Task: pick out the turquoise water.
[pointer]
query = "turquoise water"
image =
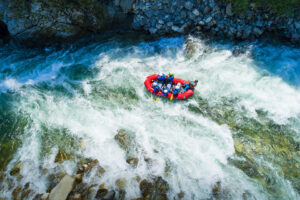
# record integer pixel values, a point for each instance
(241, 127)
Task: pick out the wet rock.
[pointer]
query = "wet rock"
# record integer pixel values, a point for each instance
(100, 171)
(45, 196)
(26, 193)
(123, 140)
(239, 147)
(87, 166)
(101, 193)
(156, 190)
(132, 161)
(62, 156)
(16, 169)
(181, 195)
(16, 193)
(146, 188)
(217, 188)
(78, 178)
(62, 190)
(190, 49)
(83, 189)
(121, 183)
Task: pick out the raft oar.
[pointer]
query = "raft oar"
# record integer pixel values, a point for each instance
(171, 97)
(157, 99)
(151, 95)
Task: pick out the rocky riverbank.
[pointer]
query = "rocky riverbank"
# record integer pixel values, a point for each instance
(66, 19)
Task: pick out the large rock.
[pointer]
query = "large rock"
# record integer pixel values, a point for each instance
(16, 169)
(124, 140)
(188, 5)
(229, 10)
(62, 190)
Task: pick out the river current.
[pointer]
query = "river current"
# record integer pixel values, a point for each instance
(241, 129)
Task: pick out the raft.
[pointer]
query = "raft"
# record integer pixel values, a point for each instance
(180, 96)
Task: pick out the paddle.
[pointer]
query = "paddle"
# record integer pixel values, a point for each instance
(157, 99)
(171, 98)
(151, 95)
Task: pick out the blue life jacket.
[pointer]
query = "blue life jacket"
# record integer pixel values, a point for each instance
(186, 87)
(170, 79)
(162, 78)
(176, 91)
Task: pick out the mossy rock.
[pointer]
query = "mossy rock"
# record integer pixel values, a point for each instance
(16, 169)
(132, 161)
(101, 193)
(62, 156)
(121, 183)
(123, 139)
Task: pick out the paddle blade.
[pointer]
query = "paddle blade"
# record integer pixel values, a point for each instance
(171, 97)
(157, 99)
(151, 95)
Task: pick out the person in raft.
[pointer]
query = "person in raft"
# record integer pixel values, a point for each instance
(161, 78)
(176, 89)
(155, 86)
(190, 85)
(170, 78)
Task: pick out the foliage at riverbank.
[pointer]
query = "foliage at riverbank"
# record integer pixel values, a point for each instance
(280, 7)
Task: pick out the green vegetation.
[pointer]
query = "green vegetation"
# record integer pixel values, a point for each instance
(280, 7)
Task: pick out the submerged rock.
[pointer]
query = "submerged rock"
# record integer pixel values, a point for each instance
(16, 193)
(123, 139)
(16, 169)
(132, 161)
(62, 156)
(121, 183)
(101, 193)
(217, 188)
(156, 190)
(62, 190)
(87, 166)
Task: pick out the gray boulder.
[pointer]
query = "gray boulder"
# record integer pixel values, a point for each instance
(196, 12)
(178, 29)
(62, 190)
(257, 31)
(188, 5)
(229, 10)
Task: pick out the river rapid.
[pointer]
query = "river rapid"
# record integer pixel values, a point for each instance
(238, 137)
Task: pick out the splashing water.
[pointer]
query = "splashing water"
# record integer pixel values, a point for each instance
(241, 127)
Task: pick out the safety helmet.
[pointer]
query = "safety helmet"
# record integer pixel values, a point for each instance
(165, 90)
(179, 84)
(177, 87)
(154, 83)
(171, 74)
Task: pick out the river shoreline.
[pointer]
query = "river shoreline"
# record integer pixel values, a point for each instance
(157, 18)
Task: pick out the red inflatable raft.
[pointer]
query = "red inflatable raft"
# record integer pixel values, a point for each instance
(184, 95)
